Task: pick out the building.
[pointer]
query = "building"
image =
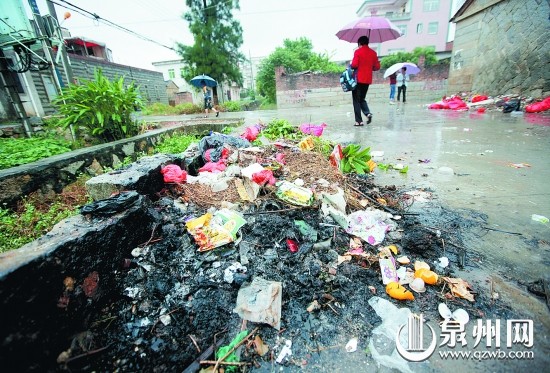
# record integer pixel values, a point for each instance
(501, 47)
(422, 23)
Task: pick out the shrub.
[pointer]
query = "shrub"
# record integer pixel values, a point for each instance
(231, 106)
(175, 144)
(102, 106)
(188, 108)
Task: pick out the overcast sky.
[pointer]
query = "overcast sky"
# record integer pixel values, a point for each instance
(265, 23)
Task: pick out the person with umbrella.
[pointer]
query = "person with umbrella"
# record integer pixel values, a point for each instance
(402, 79)
(365, 61)
(393, 83)
(207, 99)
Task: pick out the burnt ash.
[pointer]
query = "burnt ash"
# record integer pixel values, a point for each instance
(170, 277)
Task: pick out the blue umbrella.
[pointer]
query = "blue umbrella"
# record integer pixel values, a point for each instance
(199, 79)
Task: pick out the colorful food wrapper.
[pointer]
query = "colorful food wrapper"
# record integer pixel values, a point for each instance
(389, 273)
(294, 194)
(211, 231)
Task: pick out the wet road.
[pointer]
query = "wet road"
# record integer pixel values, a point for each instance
(493, 164)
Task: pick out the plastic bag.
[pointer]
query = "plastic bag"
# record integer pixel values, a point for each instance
(216, 142)
(173, 174)
(213, 167)
(264, 177)
(312, 129)
(478, 98)
(512, 105)
(111, 205)
(539, 106)
(251, 133)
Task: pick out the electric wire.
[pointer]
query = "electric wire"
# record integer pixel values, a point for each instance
(109, 23)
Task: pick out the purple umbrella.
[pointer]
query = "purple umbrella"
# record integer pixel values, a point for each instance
(378, 29)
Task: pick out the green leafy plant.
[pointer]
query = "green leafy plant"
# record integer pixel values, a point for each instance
(15, 152)
(175, 144)
(231, 106)
(323, 146)
(102, 106)
(280, 128)
(355, 159)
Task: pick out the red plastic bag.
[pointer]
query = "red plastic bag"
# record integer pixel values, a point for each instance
(213, 166)
(264, 177)
(539, 106)
(173, 174)
(251, 133)
(481, 110)
(478, 98)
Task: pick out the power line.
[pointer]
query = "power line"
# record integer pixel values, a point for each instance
(96, 17)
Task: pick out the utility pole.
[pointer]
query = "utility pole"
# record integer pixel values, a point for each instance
(46, 46)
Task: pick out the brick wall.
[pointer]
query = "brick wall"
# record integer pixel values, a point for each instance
(310, 89)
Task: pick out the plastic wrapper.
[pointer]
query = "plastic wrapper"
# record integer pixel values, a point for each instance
(173, 174)
(336, 156)
(367, 226)
(306, 143)
(478, 98)
(211, 231)
(294, 194)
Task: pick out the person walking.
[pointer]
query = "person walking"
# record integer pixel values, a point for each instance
(393, 82)
(402, 82)
(365, 61)
(208, 100)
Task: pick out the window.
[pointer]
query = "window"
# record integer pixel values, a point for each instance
(51, 89)
(171, 73)
(431, 5)
(403, 29)
(419, 28)
(182, 72)
(432, 28)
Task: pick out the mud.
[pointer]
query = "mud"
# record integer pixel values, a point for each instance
(169, 302)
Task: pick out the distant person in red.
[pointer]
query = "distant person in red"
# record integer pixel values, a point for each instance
(364, 62)
(393, 82)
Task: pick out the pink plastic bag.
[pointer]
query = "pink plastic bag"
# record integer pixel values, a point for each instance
(213, 166)
(251, 133)
(264, 177)
(173, 174)
(280, 157)
(312, 129)
(538, 106)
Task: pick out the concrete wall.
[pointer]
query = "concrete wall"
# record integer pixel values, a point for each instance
(323, 89)
(501, 47)
(52, 174)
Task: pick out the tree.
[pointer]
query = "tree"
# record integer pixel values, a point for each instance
(218, 38)
(295, 55)
(427, 52)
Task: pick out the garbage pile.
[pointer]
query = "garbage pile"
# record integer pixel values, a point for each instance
(270, 256)
(481, 103)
